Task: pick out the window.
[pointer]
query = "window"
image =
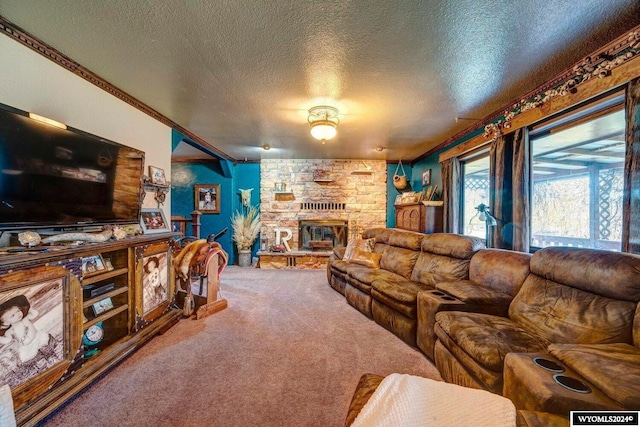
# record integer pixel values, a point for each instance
(577, 179)
(475, 190)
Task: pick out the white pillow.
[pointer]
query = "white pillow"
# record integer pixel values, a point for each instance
(7, 417)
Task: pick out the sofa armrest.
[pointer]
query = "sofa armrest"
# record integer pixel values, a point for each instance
(612, 368)
(366, 387)
(429, 304)
(477, 297)
(339, 252)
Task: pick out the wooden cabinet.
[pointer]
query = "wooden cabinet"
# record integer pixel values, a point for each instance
(420, 218)
(88, 307)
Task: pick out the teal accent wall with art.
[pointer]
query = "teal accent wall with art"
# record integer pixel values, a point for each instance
(230, 177)
(392, 192)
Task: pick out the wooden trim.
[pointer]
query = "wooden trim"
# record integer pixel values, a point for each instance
(594, 87)
(26, 39)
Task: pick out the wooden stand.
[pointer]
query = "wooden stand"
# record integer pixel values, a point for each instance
(206, 272)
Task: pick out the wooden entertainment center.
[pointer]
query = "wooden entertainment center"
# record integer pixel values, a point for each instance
(88, 307)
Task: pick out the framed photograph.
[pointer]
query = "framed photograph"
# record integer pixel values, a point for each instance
(398, 199)
(93, 264)
(426, 178)
(107, 264)
(102, 306)
(207, 198)
(156, 175)
(155, 281)
(153, 221)
(32, 304)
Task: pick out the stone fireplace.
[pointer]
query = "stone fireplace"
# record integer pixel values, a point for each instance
(322, 234)
(321, 200)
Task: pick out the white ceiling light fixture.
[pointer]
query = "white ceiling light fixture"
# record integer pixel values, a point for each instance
(324, 121)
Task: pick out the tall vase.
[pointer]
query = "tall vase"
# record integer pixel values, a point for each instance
(244, 258)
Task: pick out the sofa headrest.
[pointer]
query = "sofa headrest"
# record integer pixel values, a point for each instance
(452, 245)
(500, 269)
(380, 234)
(611, 274)
(406, 239)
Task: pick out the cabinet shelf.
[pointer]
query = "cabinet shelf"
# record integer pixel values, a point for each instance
(113, 293)
(109, 314)
(103, 276)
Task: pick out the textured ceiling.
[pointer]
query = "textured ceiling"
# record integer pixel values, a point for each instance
(240, 74)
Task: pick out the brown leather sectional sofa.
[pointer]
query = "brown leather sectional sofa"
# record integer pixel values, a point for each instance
(484, 315)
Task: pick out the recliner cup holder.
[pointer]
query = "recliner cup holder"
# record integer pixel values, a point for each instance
(548, 364)
(571, 383)
(438, 293)
(448, 298)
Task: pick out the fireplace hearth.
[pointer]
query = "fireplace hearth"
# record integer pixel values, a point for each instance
(322, 234)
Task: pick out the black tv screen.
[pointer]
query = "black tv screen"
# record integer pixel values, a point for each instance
(64, 177)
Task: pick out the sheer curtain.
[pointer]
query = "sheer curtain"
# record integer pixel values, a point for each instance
(451, 195)
(631, 198)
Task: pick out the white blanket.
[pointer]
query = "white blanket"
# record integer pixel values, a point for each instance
(409, 401)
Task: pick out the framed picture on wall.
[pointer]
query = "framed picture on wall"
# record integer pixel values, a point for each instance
(207, 198)
(426, 178)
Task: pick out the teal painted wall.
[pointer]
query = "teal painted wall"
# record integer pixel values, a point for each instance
(231, 179)
(185, 175)
(432, 162)
(392, 192)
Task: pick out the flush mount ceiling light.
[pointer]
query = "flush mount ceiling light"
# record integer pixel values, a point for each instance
(324, 121)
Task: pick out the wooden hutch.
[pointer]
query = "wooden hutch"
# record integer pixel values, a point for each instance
(420, 218)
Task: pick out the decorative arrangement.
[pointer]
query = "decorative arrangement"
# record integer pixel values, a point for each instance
(207, 198)
(599, 66)
(429, 194)
(246, 226)
(103, 236)
(153, 221)
(157, 176)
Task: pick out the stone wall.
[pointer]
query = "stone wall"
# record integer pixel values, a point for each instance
(315, 189)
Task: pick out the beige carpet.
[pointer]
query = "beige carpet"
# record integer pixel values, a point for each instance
(288, 351)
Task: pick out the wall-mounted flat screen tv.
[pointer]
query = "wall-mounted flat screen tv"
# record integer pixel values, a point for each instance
(56, 177)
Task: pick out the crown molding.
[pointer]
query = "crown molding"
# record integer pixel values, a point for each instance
(18, 34)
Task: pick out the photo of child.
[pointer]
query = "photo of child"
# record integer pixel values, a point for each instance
(31, 339)
(155, 283)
